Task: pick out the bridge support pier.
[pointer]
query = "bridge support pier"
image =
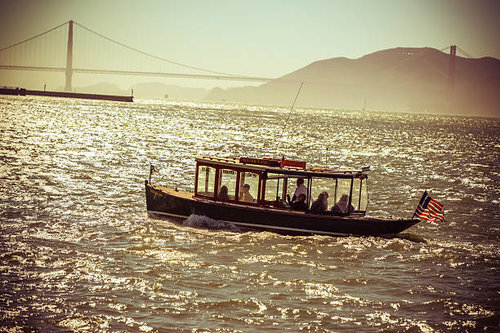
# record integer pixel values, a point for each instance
(69, 58)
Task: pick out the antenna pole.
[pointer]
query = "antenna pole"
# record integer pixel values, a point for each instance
(295, 100)
(291, 109)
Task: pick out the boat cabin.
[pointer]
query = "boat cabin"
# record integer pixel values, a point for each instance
(272, 183)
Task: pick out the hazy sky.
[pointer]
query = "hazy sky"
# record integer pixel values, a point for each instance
(265, 38)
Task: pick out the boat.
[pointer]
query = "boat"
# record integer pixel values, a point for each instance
(256, 193)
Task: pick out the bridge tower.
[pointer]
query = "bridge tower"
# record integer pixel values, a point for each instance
(69, 58)
(451, 72)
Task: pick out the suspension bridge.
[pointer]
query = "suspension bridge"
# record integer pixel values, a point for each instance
(87, 51)
(72, 48)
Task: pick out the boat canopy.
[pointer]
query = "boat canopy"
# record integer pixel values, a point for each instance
(272, 182)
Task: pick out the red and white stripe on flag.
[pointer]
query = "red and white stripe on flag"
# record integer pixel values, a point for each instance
(429, 209)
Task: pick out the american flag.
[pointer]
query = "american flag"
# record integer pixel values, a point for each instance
(429, 209)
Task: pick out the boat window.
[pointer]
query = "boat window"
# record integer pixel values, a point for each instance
(274, 188)
(249, 187)
(319, 185)
(341, 193)
(343, 186)
(292, 185)
(227, 184)
(206, 181)
(360, 195)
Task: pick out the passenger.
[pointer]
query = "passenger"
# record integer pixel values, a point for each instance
(301, 189)
(320, 205)
(245, 194)
(223, 193)
(300, 204)
(340, 208)
(325, 200)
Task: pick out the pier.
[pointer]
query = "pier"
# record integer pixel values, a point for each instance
(24, 92)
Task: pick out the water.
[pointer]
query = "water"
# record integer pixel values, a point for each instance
(78, 252)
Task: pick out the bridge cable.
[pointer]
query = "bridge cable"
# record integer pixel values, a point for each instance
(464, 52)
(156, 57)
(39, 35)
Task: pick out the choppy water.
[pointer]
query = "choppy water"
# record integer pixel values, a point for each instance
(78, 253)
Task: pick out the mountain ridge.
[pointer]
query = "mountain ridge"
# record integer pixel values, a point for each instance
(397, 79)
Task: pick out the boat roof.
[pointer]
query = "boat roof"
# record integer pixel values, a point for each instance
(279, 166)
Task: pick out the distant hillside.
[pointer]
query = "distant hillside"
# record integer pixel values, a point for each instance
(160, 90)
(400, 79)
(101, 88)
(146, 90)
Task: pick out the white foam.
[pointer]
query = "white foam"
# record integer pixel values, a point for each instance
(200, 221)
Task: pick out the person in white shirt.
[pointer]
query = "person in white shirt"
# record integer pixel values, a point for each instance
(301, 189)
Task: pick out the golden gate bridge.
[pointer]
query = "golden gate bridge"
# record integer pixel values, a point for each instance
(72, 48)
(44, 52)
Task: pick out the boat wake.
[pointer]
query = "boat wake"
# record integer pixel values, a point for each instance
(204, 222)
(405, 236)
(412, 238)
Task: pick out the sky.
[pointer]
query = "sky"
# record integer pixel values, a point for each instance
(265, 38)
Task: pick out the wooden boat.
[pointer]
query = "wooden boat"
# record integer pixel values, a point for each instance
(251, 192)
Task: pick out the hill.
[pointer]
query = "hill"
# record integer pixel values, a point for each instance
(400, 79)
(161, 90)
(155, 90)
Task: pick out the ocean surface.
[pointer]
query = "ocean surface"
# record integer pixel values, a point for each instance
(79, 253)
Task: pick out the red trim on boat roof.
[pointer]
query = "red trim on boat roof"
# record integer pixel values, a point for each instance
(290, 167)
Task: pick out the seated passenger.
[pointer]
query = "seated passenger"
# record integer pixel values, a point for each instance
(223, 193)
(340, 208)
(300, 204)
(320, 205)
(245, 194)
